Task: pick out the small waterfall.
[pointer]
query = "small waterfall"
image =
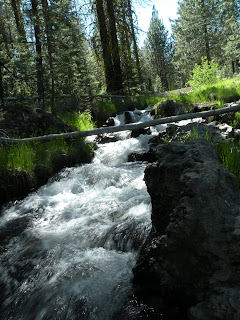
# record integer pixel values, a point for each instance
(67, 250)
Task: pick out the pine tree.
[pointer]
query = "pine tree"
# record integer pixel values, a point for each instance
(38, 45)
(230, 22)
(157, 49)
(205, 28)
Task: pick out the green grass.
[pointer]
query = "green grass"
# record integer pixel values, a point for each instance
(29, 157)
(34, 156)
(16, 157)
(221, 92)
(80, 121)
(236, 122)
(229, 155)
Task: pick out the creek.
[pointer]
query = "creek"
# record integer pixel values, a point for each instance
(68, 249)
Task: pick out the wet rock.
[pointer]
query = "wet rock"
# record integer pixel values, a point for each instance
(137, 132)
(110, 122)
(168, 108)
(191, 259)
(145, 156)
(212, 131)
(204, 106)
(129, 117)
(105, 138)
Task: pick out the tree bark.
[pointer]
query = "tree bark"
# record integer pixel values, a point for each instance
(1, 87)
(118, 85)
(135, 47)
(4, 35)
(132, 126)
(19, 19)
(39, 65)
(50, 50)
(126, 48)
(107, 58)
(205, 31)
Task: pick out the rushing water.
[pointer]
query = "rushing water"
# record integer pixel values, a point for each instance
(67, 250)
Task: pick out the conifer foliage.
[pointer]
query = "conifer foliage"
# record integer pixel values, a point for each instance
(157, 52)
(206, 28)
(51, 49)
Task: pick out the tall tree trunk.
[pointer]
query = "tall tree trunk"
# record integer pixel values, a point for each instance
(205, 31)
(39, 65)
(118, 85)
(1, 87)
(135, 47)
(50, 50)
(126, 54)
(163, 74)
(233, 66)
(107, 58)
(19, 19)
(8, 25)
(4, 36)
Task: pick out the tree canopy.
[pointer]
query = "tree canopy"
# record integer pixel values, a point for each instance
(55, 48)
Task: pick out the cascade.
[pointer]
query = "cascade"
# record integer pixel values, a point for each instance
(68, 249)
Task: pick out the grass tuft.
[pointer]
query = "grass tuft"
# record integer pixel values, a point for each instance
(79, 121)
(229, 155)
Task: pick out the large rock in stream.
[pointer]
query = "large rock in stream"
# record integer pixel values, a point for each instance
(189, 267)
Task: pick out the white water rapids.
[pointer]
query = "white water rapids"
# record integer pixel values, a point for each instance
(67, 250)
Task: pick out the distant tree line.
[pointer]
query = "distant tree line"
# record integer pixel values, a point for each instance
(56, 47)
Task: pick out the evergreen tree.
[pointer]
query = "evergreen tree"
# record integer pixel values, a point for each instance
(205, 28)
(157, 50)
(230, 22)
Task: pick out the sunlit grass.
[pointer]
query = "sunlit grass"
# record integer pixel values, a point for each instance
(17, 157)
(229, 155)
(80, 121)
(223, 91)
(32, 156)
(236, 122)
(29, 157)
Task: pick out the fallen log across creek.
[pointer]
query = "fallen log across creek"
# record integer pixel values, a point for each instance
(131, 126)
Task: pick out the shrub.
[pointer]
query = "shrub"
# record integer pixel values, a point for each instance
(204, 74)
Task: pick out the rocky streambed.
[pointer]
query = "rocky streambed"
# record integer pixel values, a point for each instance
(188, 267)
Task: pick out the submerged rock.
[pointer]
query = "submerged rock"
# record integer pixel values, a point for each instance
(191, 259)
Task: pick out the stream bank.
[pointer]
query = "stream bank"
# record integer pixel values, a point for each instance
(16, 184)
(83, 230)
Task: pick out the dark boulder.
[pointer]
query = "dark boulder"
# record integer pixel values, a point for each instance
(137, 132)
(106, 138)
(129, 117)
(110, 122)
(191, 259)
(168, 108)
(144, 156)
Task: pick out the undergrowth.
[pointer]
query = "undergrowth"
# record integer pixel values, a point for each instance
(80, 121)
(229, 155)
(32, 156)
(220, 92)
